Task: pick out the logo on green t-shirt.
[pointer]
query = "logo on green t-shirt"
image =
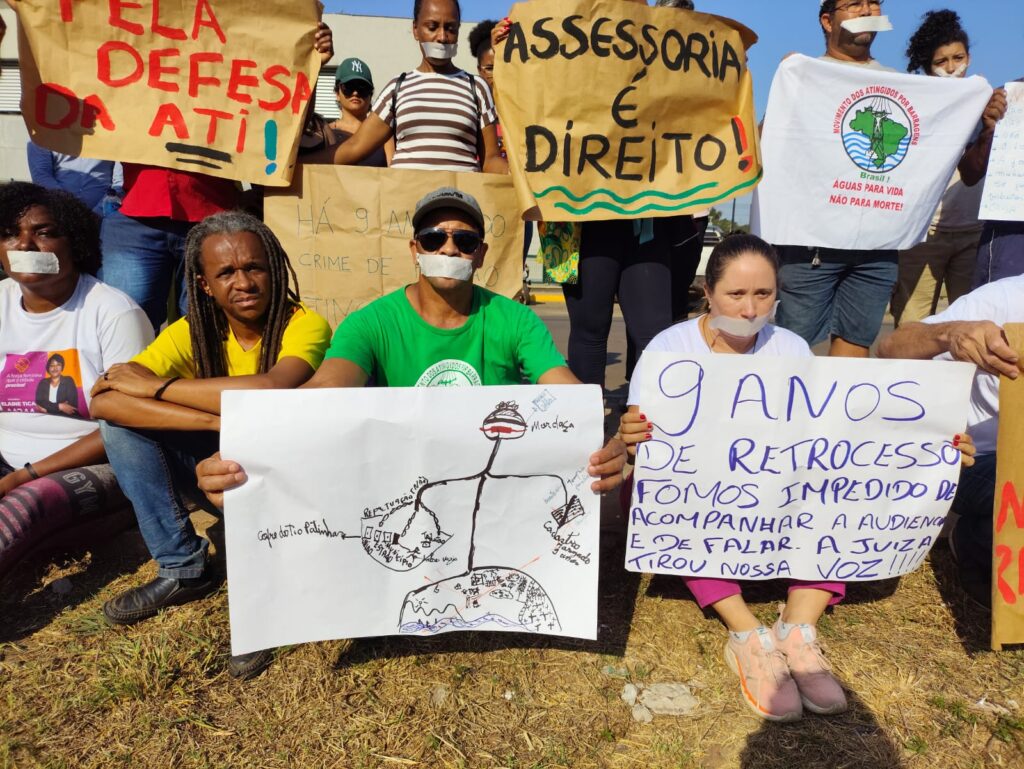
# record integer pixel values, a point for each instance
(450, 373)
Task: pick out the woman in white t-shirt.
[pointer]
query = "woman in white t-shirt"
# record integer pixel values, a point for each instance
(441, 118)
(781, 669)
(57, 324)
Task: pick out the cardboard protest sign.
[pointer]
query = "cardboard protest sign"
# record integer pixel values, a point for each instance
(347, 230)
(1003, 198)
(811, 468)
(859, 158)
(614, 110)
(1008, 513)
(216, 86)
(411, 511)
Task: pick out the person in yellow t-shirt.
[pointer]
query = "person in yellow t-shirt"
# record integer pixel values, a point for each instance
(245, 329)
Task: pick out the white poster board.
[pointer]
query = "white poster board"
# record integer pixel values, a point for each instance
(820, 469)
(390, 511)
(859, 158)
(1003, 198)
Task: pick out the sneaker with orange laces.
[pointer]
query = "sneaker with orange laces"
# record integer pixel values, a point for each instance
(819, 689)
(765, 681)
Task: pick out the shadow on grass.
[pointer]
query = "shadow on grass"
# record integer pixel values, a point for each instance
(852, 740)
(767, 591)
(617, 594)
(971, 622)
(101, 553)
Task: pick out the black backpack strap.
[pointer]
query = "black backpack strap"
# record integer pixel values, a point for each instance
(479, 115)
(394, 102)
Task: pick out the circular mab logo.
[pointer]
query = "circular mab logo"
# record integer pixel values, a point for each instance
(877, 134)
(450, 373)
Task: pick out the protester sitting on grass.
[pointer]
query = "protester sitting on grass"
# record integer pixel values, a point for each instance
(441, 331)
(970, 330)
(245, 329)
(781, 669)
(59, 329)
(440, 117)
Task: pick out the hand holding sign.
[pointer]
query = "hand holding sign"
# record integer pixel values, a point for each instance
(204, 85)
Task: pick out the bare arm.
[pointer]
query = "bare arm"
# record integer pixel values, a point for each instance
(82, 453)
(337, 372)
(149, 414)
(389, 150)
(979, 342)
(974, 164)
(493, 162)
(200, 394)
(373, 134)
(560, 375)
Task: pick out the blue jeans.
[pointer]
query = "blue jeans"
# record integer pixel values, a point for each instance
(142, 257)
(157, 472)
(846, 295)
(974, 501)
(1000, 252)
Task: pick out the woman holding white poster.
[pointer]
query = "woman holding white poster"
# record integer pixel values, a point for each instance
(782, 670)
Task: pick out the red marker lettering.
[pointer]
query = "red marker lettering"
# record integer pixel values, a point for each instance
(276, 71)
(239, 80)
(115, 19)
(169, 115)
(104, 68)
(194, 78)
(210, 21)
(214, 115)
(156, 69)
(171, 33)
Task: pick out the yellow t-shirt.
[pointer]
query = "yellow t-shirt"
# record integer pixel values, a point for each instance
(307, 337)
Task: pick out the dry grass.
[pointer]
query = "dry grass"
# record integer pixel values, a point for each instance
(75, 693)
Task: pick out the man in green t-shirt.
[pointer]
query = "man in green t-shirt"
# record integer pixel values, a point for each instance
(441, 331)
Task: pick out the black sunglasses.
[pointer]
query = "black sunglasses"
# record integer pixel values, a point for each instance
(433, 238)
(363, 89)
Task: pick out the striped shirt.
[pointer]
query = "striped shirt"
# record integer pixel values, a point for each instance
(438, 120)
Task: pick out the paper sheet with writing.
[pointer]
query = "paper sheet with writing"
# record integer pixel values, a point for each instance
(1003, 198)
(214, 86)
(812, 468)
(347, 230)
(859, 158)
(411, 511)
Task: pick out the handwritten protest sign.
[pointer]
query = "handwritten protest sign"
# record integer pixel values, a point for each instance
(615, 110)
(347, 230)
(1003, 198)
(217, 86)
(858, 158)
(411, 511)
(1008, 515)
(812, 469)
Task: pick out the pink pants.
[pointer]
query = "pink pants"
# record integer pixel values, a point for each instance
(709, 591)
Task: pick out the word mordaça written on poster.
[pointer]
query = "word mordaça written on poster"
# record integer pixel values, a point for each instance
(347, 230)
(411, 511)
(859, 158)
(799, 468)
(202, 85)
(615, 110)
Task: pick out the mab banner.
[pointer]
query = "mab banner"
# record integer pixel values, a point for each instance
(858, 158)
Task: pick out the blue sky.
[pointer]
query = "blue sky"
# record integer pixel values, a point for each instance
(996, 28)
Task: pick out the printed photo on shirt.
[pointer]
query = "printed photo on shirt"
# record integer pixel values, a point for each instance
(43, 383)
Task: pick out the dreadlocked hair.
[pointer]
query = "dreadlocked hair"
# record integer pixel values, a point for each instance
(207, 323)
(73, 218)
(938, 28)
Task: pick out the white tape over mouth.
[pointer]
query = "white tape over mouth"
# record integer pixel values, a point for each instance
(33, 262)
(441, 266)
(440, 51)
(958, 72)
(867, 24)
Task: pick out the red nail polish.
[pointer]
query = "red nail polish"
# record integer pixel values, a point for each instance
(643, 417)
(649, 436)
(956, 441)
(650, 426)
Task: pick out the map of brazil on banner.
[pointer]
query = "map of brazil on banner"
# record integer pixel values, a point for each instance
(858, 158)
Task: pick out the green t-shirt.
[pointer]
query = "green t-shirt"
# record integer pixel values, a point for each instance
(502, 339)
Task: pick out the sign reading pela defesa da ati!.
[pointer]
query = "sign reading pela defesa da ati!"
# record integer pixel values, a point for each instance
(616, 110)
(198, 85)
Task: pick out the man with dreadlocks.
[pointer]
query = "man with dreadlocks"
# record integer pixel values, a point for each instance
(245, 329)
